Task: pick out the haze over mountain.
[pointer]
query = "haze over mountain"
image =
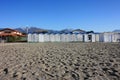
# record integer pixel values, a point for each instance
(39, 30)
(117, 30)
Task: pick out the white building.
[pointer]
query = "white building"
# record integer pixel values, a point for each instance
(62, 37)
(97, 37)
(41, 38)
(46, 37)
(36, 37)
(74, 37)
(116, 37)
(29, 38)
(79, 37)
(111, 37)
(108, 37)
(52, 37)
(68, 39)
(57, 37)
(91, 37)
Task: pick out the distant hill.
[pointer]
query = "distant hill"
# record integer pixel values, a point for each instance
(21, 30)
(39, 30)
(78, 31)
(66, 31)
(30, 30)
(1, 28)
(117, 30)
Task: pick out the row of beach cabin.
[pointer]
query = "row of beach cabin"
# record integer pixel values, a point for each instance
(91, 37)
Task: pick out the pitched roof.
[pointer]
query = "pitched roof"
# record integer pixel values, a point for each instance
(9, 29)
(8, 33)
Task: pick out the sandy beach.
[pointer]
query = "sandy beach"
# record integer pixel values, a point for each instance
(59, 61)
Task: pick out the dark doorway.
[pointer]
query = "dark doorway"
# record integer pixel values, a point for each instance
(90, 38)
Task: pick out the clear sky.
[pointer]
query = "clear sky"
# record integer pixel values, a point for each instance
(97, 15)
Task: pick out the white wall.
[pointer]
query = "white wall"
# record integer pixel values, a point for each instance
(118, 37)
(115, 37)
(79, 37)
(107, 37)
(62, 37)
(57, 37)
(85, 38)
(68, 37)
(29, 38)
(41, 37)
(74, 36)
(93, 38)
(52, 37)
(46, 37)
(102, 37)
(35, 38)
(97, 38)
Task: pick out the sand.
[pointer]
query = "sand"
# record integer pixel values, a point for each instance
(60, 61)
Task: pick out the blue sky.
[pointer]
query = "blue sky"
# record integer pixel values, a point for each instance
(97, 15)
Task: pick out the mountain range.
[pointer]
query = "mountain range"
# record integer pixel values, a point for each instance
(117, 30)
(39, 30)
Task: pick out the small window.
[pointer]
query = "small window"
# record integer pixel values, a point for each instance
(7, 31)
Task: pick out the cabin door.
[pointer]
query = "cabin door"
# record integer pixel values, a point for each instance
(90, 38)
